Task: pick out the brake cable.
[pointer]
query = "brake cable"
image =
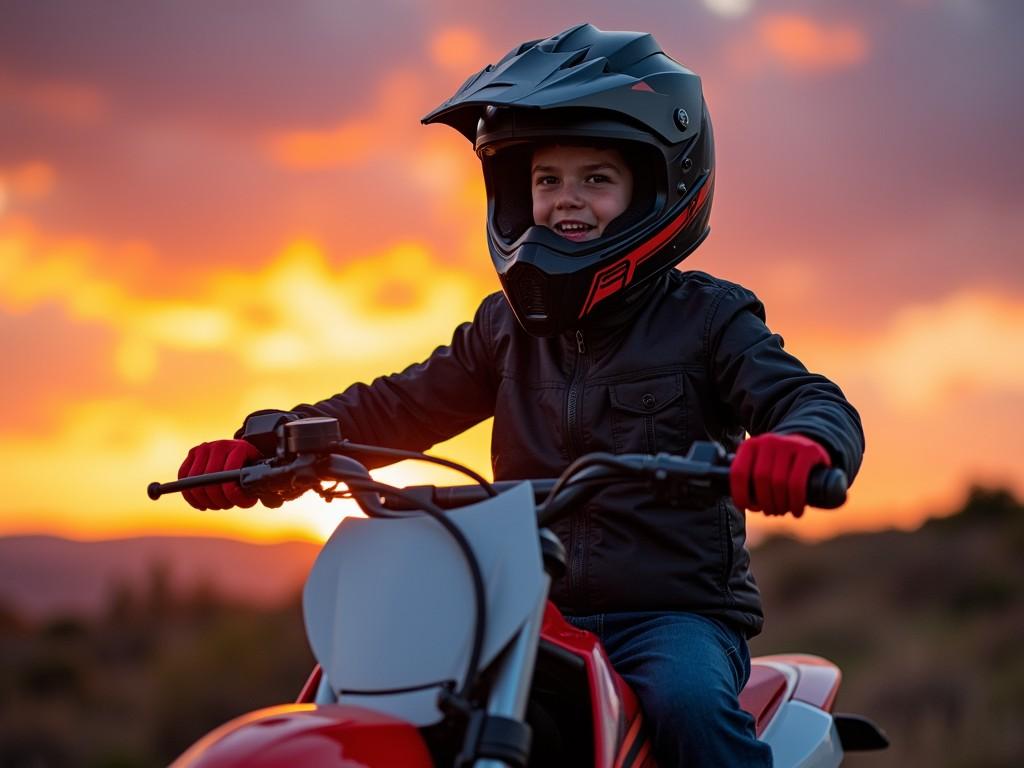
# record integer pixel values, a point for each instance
(374, 450)
(585, 462)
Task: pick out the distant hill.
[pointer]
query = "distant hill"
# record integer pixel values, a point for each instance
(43, 576)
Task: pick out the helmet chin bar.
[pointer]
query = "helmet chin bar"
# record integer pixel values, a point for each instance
(554, 284)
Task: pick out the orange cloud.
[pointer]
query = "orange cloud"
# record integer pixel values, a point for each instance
(34, 269)
(800, 43)
(339, 146)
(287, 316)
(72, 102)
(930, 355)
(297, 331)
(438, 163)
(386, 129)
(427, 167)
(968, 342)
(27, 182)
(33, 180)
(457, 49)
(804, 45)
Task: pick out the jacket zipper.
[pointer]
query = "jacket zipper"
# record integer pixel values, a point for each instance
(578, 523)
(723, 507)
(572, 416)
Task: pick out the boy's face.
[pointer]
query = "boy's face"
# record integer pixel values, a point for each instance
(578, 191)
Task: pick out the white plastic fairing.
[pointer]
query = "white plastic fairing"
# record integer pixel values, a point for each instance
(389, 602)
(802, 736)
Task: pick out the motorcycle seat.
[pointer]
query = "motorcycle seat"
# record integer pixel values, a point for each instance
(763, 694)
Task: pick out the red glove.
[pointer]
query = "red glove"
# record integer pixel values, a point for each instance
(218, 456)
(770, 472)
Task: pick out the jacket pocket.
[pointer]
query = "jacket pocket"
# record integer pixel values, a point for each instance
(649, 415)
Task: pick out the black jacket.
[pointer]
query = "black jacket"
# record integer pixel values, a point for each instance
(694, 361)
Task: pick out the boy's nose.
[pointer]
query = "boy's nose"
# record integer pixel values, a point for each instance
(569, 197)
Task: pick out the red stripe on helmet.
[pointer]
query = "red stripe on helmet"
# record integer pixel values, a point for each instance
(617, 276)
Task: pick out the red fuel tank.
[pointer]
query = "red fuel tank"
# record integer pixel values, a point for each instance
(306, 734)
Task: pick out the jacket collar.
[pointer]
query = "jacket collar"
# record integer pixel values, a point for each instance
(605, 326)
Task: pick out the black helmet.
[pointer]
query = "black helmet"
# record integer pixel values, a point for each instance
(586, 86)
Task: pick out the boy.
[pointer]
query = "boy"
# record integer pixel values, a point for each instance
(598, 160)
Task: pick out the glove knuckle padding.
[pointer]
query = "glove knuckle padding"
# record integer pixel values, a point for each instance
(739, 477)
(763, 481)
(779, 481)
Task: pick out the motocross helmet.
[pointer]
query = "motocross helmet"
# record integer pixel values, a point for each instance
(605, 89)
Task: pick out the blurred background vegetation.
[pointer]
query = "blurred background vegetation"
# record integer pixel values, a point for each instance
(137, 686)
(927, 626)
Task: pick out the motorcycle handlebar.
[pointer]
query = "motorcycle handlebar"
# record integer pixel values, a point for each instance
(826, 487)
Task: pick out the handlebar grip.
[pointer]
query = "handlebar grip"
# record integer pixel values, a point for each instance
(156, 490)
(826, 488)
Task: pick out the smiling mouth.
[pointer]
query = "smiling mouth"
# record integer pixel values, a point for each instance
(573, 228)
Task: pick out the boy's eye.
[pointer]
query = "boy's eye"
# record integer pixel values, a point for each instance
(543, 180)
(597, 178)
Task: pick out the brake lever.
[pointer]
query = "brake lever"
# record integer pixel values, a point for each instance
(274, 483)
(699, 478)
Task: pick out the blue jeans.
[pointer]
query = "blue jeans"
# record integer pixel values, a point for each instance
(687, 671)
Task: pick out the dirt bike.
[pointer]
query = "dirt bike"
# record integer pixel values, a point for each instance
(435, 639)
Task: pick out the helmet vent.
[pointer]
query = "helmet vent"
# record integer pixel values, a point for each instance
(529, 290)
(575, 59)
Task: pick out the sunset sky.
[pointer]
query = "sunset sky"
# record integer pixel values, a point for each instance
(210, 208)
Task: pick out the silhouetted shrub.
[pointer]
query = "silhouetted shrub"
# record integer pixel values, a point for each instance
(67, 629)
(984, 593)
(51, 675)
(35, 749)
(983, 505)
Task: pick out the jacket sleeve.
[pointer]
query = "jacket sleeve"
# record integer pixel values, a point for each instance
(769, 390)
(427, 403)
